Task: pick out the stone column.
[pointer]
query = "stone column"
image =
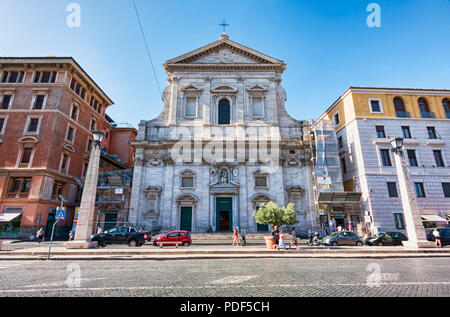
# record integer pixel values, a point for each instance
(212, 209)
(136, 190)
(174, 101)
(414, 226)
(87, 210)
(207, 102)
(235, 211)
(240, 101)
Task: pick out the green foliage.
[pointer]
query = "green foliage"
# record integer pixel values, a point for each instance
(272, 214)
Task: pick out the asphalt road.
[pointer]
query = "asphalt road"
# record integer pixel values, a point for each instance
(229, 278)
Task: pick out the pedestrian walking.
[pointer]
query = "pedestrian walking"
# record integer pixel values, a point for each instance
(437, 237)
(71, 235)
(235, 237)
(40, 236)
(294, 239)
(99, 230)
(276, 236)
(282, 243)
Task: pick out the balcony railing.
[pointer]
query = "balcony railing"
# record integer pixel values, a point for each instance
(403, 114)
(428, 115)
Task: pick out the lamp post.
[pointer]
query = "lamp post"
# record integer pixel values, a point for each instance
(87, 209)
(414, 226)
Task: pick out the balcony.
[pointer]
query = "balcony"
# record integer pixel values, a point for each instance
(428, 115)
(403, 114)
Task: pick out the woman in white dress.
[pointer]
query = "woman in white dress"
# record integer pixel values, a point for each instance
(282, 243)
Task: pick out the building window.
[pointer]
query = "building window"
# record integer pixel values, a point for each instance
(432, 134)
(381, 134)
(77, 88)
(20, 187)
(438, 158)
(70, 136)
(33, 125)
(187, 182)
(344, 165)
(446, 104)
(446, 189)
(45, 77)
(392, 188)
(341, 142)
(93, 125)
(385, 158)
(420, 190)
(406, 133)
(89, 145)
(399, 221)
(13, 77)
(258, 106)
(190, 110)
(425, 109)
(3, 124)
(412, 158)
(376, 106)
(337, 119)
(64, 162)
(74, 113)
(57, 190)
(6, 102)
(38, 102)
(261, 181)
(224, 111)
(26, 156)
(400, 108)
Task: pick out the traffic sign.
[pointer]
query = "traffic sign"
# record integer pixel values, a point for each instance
(60, 213)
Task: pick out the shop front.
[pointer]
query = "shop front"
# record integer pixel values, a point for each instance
(10, 221)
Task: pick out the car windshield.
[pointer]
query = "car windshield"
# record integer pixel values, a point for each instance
(381, 234)
(334, 234)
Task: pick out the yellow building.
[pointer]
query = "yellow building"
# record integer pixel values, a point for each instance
(366, 119)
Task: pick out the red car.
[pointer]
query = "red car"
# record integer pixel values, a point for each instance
(180, 237)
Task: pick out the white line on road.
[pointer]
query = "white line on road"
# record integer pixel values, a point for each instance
(143, 288)
(234, 279)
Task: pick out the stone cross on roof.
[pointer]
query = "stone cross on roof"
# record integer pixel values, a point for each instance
(224, 25)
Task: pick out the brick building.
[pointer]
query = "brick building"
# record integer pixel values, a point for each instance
(48, 110)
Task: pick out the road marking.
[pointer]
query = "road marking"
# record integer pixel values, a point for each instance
(143, 288)
(56, 284)
(234, 279)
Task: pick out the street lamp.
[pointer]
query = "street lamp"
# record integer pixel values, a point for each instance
(85, 222)
(414, 226)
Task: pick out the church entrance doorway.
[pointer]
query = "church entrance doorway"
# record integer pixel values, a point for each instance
(186, 218)
(224, 214)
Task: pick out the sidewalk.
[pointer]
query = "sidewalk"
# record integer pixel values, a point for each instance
(148, 252)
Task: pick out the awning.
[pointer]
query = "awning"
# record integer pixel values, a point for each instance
(340, 198)
(433, 218)
(7, 217)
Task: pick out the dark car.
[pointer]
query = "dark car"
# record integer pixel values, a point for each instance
(174, 238)
(387, 238)
(122, 235)
(445, 235)
(343, 238)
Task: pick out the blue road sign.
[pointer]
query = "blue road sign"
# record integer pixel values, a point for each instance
(60, 214)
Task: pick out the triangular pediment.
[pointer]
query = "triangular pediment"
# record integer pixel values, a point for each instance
(225, 51)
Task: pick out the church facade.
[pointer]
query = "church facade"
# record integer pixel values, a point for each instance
(223, 145)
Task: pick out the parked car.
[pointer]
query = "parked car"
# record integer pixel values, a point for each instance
(173, 238)
(122, 235)
(445, 235)
(343, 238)
(387, 238)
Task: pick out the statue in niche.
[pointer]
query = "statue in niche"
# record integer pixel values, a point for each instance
(224, 177)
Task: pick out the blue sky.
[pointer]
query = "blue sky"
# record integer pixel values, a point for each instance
(326, 45)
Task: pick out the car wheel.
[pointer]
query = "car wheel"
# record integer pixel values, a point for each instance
(334, 244)
(186, 244)
(132, 243)
(359, 244)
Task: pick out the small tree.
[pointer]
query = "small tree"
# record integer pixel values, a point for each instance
(272, 214)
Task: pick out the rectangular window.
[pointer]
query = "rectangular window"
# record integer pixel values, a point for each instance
(412, 158)
(343, 165)
(257, 106)
(33, 125)
(89, 146)
(337, 119)
(399, 221)
(26, 185)
(74, 114)
(65, 159)
(6, 100)
(438, 158)
(385, 158)
(39, 102)
(93, 125)
(187, 182)
(341, 142)
(375, 106)
(57, 189)
(392, 188)
(191, 107)
(446, 189)
(406, 133)
(260, 181)
(420, 190)
(5, 77)
(13, 77)
(15, 185)
(2, 124)
(45, 77)
(26, 156)
(432, 134)
(69, 136)
(381, 134)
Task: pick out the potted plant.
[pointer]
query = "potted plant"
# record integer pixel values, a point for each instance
(272, 214)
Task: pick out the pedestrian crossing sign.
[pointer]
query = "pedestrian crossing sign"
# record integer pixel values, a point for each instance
(60, 214)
